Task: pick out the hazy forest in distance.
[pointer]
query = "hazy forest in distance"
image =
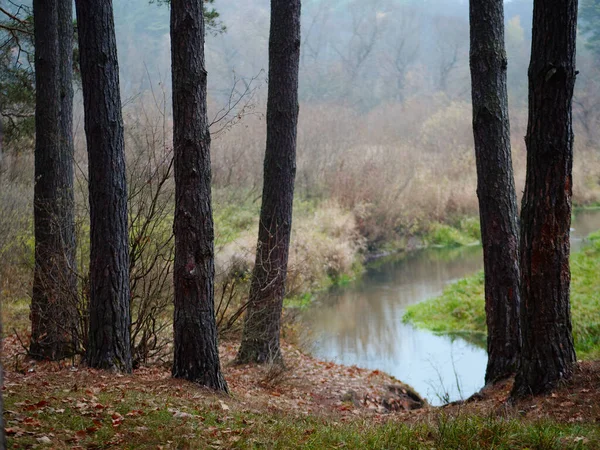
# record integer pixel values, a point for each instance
(384, 88)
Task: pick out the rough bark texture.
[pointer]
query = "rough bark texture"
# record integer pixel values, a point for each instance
(548, 352)
(495, 187)
(53, 307)
(109, 334)
(260, 340)
(195, 331)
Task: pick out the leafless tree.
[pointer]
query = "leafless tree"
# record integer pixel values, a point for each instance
(451, 48)
(403, 45)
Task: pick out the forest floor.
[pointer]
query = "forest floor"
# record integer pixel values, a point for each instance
(310, 404)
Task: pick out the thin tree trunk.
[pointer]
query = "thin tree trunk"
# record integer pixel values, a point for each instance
(548, 351)
(260, 340)
(195, 331)
(109, 334)
(53, 308)
(495, 187)
(66, 35)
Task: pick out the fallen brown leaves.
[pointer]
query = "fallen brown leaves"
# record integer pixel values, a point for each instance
(577, 401)
(306, 386)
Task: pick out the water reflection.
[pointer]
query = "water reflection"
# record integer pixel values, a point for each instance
(362, 324)
(584, 223)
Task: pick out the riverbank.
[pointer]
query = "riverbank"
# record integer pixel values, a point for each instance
(460, 310)
(329, 246)
(310, 405)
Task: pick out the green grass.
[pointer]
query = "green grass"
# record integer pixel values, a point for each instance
(150, 419)
(585, 301)
(464, 232)
(460, 310)
(231, 219)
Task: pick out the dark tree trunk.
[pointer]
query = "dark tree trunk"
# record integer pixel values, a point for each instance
(548, 354)
(260, 340)
(195, 330)
(109, 334)
(53, 308)
(495, 187)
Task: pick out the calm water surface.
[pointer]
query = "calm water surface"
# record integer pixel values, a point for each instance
(361, 324)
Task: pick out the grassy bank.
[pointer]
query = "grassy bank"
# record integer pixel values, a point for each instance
(457, 233)
(205, 428)
(150, 411)
(460, 310)
(328, 246)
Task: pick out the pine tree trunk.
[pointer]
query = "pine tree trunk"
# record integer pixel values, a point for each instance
(195, 331)
(109, 334)
(65, 48)
(260, 340)
(548, 351)
(53, 308)
(495, 187)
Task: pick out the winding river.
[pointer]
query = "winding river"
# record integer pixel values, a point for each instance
(361, 324)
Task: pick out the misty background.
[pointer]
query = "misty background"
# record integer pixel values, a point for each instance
(375, 73)
(385, 141)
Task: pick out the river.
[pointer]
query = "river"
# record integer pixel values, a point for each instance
(361, 324)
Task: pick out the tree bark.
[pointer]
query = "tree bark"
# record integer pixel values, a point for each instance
(53, 307)
(548, 352)
(195, 331)
(260, 340)
(109, 334)
(495, 187)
